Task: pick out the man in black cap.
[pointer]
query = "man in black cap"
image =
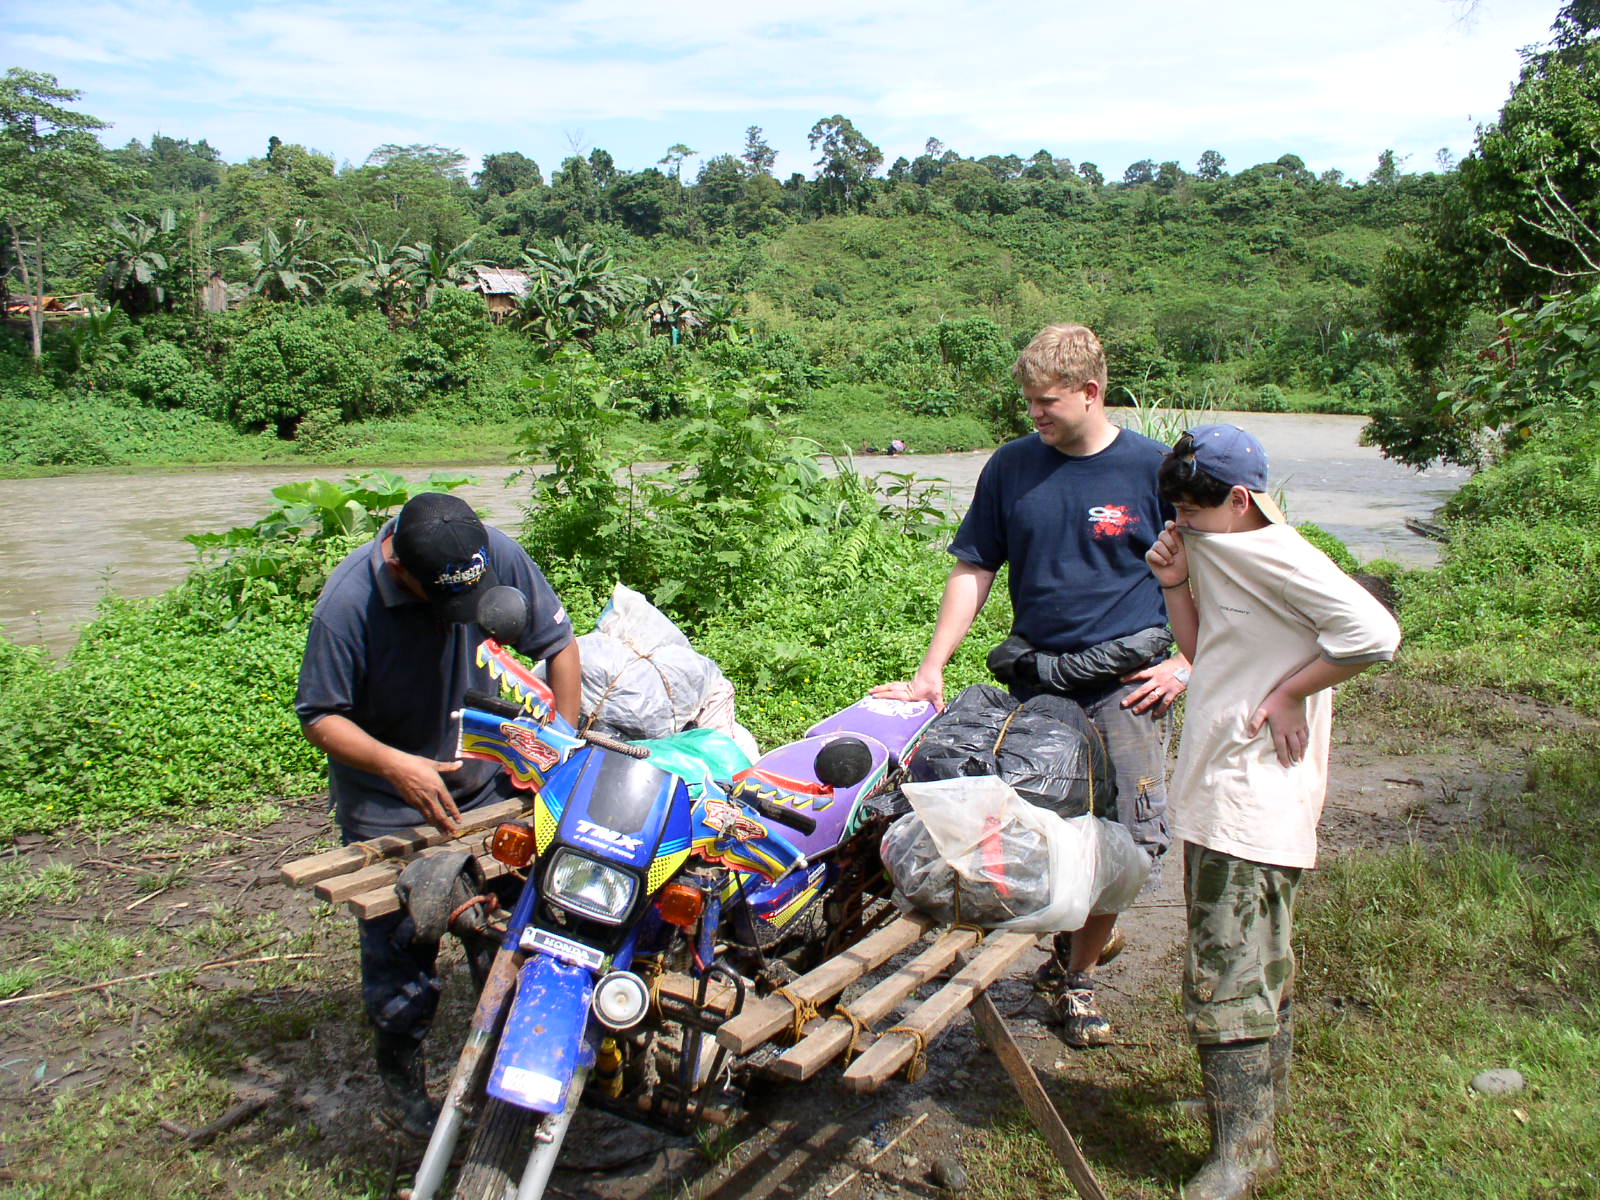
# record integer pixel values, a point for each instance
(390, 655)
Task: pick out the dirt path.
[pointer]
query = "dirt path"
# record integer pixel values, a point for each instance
(268, 1011)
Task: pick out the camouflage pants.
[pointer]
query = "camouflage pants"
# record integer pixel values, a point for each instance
(1238, 964)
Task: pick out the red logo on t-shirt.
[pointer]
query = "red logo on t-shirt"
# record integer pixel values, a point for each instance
(1111, 520)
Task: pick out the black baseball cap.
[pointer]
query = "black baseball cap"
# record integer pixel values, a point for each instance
(443, 545)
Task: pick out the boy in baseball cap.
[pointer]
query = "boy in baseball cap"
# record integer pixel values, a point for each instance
(1271, 625)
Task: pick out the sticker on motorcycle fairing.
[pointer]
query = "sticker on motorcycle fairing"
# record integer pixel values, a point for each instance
(527, 743)
(603, 838)
(565, 949)
(741, 842)
(732, 821)
(532, 1086)
(528, 753)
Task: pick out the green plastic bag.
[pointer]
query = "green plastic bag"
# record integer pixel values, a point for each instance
(697, 756)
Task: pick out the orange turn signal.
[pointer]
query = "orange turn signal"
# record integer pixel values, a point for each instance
(513, 844)
(681, 904)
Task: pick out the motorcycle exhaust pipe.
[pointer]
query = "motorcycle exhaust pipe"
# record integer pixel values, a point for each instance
(465, 1079)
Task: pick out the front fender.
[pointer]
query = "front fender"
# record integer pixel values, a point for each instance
(544, 1044)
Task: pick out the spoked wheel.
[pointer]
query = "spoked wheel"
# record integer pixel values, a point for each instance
(496, 1153)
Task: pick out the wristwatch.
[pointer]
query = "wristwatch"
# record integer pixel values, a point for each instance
(1182, 675)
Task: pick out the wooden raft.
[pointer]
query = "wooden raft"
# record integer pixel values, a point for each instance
(362, 877)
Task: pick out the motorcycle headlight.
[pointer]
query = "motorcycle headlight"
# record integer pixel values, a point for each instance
(589, 888)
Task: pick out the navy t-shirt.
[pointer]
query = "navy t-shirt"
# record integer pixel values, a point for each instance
(377, 655)
(1074, 530)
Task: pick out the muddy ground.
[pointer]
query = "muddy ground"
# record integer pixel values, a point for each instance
(277, 1025)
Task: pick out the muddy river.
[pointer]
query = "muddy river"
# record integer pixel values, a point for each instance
(69, 540)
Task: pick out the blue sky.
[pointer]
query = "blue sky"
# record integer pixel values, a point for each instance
(1109, 83)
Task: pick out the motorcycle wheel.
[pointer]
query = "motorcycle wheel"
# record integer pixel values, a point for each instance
(496, 1153)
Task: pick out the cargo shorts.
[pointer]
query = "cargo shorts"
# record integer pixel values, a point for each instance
(1238, 965)
(1137, 744)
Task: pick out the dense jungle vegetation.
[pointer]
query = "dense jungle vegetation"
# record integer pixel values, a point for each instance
(1459, 308)
(895, 295)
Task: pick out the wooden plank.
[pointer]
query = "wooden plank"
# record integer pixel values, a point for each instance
(340, 888)
(383, 900)
(763, 1018)
(304, 872)
(894, 1049)
(828, 1039)
(719, 996)
(992, 1028)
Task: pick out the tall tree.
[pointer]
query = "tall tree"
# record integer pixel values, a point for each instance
(673, 158)
(47, 154)
(1211, 166)
(507, 172)
(1143, 171)
(757, 155)
(847, 164)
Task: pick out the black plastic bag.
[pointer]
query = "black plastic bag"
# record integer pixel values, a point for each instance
(1047, 749)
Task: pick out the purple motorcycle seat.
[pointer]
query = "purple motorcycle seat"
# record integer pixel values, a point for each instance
(788, 775)
(894, 724)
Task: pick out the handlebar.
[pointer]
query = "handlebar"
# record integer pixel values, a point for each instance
(493, 704)
(502, 708)
(781, 813)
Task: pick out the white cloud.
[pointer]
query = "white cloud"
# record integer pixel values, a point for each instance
(1147, 78)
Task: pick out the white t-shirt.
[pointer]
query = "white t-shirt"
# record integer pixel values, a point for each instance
(1269, 603)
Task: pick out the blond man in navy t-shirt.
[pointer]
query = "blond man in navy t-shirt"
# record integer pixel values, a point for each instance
(1072, 508)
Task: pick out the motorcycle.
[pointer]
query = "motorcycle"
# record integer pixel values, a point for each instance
(633, 874)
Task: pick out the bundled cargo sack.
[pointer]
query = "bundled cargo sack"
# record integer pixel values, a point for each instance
(972, 850)
(1046, 748)
(642, 679)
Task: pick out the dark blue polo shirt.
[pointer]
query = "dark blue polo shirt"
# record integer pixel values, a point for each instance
(1074, 530)
(377, 655)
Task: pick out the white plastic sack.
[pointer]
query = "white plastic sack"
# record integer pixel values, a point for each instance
(1000, 849)
(642, 679)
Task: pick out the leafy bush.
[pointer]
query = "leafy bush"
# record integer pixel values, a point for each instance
(1269, 398)
(159, 708)
(1516, 602)
(1329, 545)
(298, 360)
(161, 375)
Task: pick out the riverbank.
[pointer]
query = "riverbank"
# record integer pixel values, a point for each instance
(74, 538)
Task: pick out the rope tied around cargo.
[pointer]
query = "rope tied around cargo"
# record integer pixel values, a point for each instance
(917, 1067)
(638, 656)
(857, 1026)
(1005, 727)
(804, 1012)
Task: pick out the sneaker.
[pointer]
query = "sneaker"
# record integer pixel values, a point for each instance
(1082, 1023)
(1050, 977)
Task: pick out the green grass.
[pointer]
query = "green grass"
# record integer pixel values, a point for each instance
(22, 887)
(1419, 969)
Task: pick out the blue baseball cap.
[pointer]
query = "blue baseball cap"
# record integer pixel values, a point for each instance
(1238, 459)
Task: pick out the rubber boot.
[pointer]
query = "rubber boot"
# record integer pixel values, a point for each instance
(406, 1106)
(1282, 1050)
(1238, 1082)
